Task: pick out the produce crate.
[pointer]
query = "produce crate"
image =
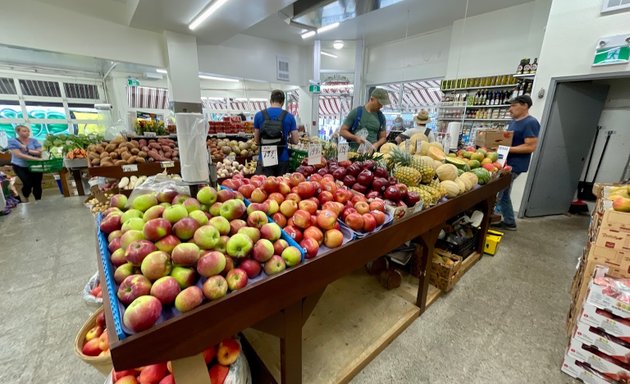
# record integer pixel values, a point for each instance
(296, 157)
(445, 276)
(45, 166)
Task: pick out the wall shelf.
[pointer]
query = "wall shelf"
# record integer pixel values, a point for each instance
(525, 76)
(487, 119)
(486, 87)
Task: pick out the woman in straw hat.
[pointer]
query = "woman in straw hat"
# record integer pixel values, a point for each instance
(421, 119)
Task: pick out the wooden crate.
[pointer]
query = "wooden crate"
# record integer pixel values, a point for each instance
(445, 276)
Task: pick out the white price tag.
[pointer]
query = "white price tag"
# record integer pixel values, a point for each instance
(150, 134)
(221, 135)
(269, 155)
(231, 157)
(503, 152)
(314, 154)
(167, 164)
(418, 146)
(130, 168)
(407, 145)
(342, 152)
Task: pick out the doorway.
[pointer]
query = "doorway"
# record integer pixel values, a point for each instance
(579, 109)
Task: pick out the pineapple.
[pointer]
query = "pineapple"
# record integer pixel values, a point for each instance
(425, 195)
(407, 175)
(422, 164)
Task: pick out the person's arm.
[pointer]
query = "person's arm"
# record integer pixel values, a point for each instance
(294, 135)
(18, 153)
(382, 138)
(257, 125)
(528, 147)
(37, 151)
(346, 134)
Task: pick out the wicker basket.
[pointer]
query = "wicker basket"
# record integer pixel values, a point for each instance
(102, 363)
(444, 276)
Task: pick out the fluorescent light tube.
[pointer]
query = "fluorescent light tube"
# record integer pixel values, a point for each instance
(328, 27)
(216, 4)
(308, 34)
(206, 77)
(329, 54)
(163, 71)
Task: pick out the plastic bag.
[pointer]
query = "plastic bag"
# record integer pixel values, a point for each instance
(159, 183)
(87, 296)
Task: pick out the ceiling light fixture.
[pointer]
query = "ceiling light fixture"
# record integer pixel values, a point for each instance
(207, 77)
(338, 44)
(216, 4)
(163, 71)
(327, 27)
(329, 54)
(308, 34)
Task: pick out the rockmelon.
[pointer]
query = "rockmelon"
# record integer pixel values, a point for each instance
(462, 185)
(438, 145)
(436, 164)
(416, 140)
(446, 172)
(436, 153)
(387, 148)
(472, 177)
(424, 148)
(451, 187)
(456, 161)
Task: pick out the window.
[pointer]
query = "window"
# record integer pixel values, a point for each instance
(609, 6)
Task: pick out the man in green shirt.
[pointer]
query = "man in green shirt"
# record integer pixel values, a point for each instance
(372, 120)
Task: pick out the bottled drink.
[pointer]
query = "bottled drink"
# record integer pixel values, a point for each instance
(528, 67)
(519, 69)
(535, 65)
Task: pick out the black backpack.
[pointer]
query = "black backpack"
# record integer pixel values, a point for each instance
(271, 132)
(357, 119)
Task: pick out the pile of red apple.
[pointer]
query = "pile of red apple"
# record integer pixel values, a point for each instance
(97, 291)
(175, 250)
(364, 217)
(306, 210)
(217, 358)
(96, 341)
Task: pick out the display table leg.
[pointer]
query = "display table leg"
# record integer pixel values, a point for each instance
(487, 207)
(291, 345)
(191, 370)
(63, 175)
(76, 175)
(428, 240)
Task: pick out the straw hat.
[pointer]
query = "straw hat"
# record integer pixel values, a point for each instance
(422, 118)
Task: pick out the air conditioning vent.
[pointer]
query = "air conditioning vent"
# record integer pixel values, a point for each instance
(81, 91)
(282, 66)
(40, 88)
(7, 86)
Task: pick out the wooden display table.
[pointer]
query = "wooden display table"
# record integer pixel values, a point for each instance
(280, 305)
(143, 169)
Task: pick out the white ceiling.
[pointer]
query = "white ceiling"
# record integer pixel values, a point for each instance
(261, 18)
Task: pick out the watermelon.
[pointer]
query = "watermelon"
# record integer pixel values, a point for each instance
(482, 174)
(459, 163)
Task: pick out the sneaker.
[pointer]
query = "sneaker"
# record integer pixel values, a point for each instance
(495, 219)
(508, 227)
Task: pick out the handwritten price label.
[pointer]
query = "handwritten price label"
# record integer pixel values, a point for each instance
(314, 154)
(269, 155)
(342, 152)
(130, 168)
(167, 164)
(150, 134)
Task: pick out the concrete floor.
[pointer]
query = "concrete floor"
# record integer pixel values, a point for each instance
(503, 322)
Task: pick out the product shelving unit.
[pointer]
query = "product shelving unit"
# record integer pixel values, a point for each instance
(280, 306)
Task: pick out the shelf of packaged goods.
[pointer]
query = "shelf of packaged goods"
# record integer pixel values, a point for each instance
(450, 119)
(487, 106)
(259, 306)
(525, 76)
(487, 119)
(452, 106)
(486, 87)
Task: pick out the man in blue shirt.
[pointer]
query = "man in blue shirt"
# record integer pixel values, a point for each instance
(526, 129)
(262, 137)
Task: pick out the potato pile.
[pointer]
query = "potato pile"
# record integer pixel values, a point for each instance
(222, 148)
(120, 151)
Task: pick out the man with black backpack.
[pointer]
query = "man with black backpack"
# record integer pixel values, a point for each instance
(370, 118)
(274, 129)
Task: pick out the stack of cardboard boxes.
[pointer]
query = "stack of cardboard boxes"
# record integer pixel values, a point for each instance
(598, 322)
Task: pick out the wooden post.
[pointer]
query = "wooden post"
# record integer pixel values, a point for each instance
(63, 175)
(428, 240)
(291, 345)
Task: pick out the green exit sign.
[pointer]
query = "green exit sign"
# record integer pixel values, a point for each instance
(314, 88)
(133, 82)
(614, 55)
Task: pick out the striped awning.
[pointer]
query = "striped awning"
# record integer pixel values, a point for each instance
(331, 106)
(147, 97)
(415, 94)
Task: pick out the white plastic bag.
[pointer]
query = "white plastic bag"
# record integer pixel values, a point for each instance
(239, 371)
(87, 296)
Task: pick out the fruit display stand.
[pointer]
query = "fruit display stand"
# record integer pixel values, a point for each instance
(281, 305)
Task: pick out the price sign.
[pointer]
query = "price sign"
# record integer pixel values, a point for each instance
(150, 134)
(231, 157)
(407, 146)
(418, 146)
(503, 152)
(269, 155)
(314, 154)
(130, 168)
(221, 135)
(342, 152)
(167, 164)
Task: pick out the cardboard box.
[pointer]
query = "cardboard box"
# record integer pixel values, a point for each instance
(492, 138)
(598, 360)
(582, 371)
(613, 239)
(616, 222)
(599, 297)
(608, 322)
(617, 261)
(610, 345)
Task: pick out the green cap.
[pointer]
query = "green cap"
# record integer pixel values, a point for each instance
(381, 95)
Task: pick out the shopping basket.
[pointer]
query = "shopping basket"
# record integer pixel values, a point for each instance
(45, 166)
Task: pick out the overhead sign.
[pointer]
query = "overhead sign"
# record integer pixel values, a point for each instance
(133, 82)
(315, 88)
(612, 50)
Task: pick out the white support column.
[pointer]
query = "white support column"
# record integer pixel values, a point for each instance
(184, 87)
(359, 92)
(315, 96)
